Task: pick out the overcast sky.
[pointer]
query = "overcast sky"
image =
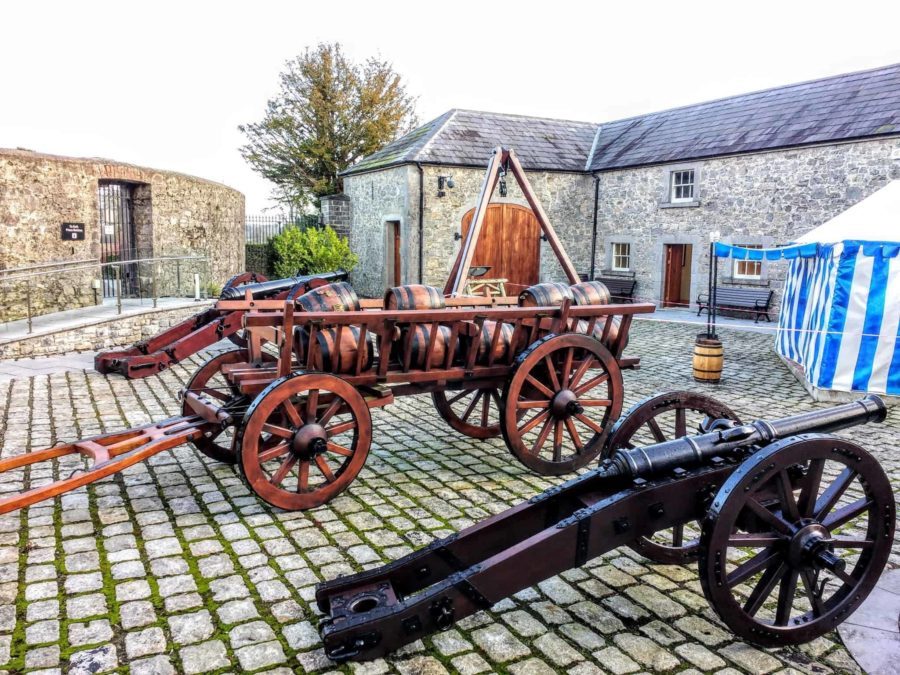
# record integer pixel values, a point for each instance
(165, 84)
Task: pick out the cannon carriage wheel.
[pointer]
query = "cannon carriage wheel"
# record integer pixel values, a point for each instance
(796, 538)
(472, 412)
(654, 420)
(239, 338)
(304, 440)
(564, 393)
(218, 444)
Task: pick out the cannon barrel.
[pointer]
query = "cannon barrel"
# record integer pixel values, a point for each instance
(266, 289)
(695, 450)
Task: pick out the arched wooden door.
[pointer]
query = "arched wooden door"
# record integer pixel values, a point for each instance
(510, 243)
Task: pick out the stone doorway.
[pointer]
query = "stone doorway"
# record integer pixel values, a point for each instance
(118, 241)
(677, 275)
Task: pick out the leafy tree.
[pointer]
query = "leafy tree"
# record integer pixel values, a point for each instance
(328, 113)
(311, 251)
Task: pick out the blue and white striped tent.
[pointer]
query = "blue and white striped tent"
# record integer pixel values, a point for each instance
(840, 311)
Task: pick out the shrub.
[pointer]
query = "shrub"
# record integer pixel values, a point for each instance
(260, 258)
(311, 251)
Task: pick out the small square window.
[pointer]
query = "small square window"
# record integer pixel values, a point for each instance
(682, 186)
(748, 269)
(621, 257)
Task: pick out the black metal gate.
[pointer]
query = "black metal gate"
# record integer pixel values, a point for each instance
(117, 238)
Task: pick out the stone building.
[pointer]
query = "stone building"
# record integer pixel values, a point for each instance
(637, 196)
(61, 217)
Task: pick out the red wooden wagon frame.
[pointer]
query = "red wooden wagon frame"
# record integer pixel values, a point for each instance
(292, 407)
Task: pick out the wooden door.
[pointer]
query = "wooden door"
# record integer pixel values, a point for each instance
(395, 233)
(673, 276)
(510, 244)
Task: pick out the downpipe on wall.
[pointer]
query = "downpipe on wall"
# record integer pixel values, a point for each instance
(421, 221)
(594, 228)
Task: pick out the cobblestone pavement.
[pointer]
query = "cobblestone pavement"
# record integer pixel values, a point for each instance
(174, 566)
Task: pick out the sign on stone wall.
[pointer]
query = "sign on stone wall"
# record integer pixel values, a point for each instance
(72, 231)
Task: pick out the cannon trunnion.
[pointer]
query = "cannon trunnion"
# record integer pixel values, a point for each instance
(797, 525)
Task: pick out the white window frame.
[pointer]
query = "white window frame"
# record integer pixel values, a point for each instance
(613, 266)
(672, 186)
(737, 264)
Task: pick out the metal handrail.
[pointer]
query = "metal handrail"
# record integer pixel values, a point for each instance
(49, 264)
(117, 265)
(101, 265)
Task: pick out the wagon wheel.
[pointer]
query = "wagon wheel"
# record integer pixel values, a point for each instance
(239, 338)
(217, 443)
(570, 389)
(473, 412)
(304, 440)
(811, 516)
(654, 420)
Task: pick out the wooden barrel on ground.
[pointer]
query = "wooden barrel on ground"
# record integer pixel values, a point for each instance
(413, 296)
(329, 349)
(337, 297)
(709, 356)
(590, 293)
(420, 336)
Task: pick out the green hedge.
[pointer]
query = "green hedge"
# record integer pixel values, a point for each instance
(260, 259)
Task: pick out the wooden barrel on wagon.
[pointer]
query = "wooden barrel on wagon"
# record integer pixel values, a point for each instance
(596, 293)
(590, 293)
(486, 339)
(709, 356)
(420, 336)
(335, 355)
(413, 296)
(548, 294)
(337, 348)
(337, 297)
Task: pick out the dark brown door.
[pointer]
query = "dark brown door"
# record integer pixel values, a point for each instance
(676, 277)
(395, 236)
(510, 244)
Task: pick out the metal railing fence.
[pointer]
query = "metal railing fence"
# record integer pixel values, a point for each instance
(85, 283)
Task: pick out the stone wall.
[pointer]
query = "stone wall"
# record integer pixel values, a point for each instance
(174, 215)
(378, 198)
(766, 198)
(393, 194)
(116, 332)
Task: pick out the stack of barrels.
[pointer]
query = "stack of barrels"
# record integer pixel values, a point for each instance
(335, 354)
(553, 293)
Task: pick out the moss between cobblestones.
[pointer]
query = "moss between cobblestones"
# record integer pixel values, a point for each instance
(433, 478)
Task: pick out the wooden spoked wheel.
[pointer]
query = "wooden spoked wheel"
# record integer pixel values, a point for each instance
(208, 380)
(796, 538)
(473, 412)
(239, 338)
(655, 420)
(304, 440)
(559, 403)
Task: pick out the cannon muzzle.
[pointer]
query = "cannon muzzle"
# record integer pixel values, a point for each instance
(266, 289)
(695, 450)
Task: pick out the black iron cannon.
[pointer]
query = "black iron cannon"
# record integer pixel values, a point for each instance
(797, 525)
(262, 290)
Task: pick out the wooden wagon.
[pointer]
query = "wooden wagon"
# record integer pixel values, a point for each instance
(292, 407)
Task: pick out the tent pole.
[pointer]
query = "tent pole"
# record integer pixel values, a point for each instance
(714, 297)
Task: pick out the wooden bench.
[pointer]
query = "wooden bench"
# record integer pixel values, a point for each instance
(757, 300)
(621, 286)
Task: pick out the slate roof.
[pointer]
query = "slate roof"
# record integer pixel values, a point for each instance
(855, 105)
(466, 138)
(850, 106)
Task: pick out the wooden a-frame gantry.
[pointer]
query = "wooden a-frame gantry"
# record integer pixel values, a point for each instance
(503, 162)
